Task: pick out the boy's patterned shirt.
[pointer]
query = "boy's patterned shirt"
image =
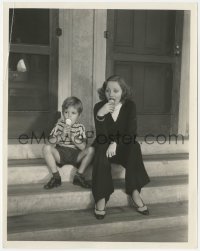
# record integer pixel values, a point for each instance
(78, 131)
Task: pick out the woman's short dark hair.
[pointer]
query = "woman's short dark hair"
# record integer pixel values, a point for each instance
(126, 90)
(72, 101)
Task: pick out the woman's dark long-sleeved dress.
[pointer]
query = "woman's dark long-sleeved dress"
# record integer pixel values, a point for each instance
(128, 152)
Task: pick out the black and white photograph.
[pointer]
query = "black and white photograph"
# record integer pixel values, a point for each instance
(100, 125)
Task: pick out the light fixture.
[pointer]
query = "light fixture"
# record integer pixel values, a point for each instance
(21, 66)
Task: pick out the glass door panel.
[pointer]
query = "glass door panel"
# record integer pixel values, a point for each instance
(28, 82)
(33, 69)
(29, 26)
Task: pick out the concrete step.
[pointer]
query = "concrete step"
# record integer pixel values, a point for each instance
(32, 198)
(120, 224)
(36, 171)
(160, 234)
(34, 149)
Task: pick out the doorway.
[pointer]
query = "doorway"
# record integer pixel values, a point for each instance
(144, 47)
(33, 77)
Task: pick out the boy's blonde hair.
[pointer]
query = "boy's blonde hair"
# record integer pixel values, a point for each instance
(72, 101)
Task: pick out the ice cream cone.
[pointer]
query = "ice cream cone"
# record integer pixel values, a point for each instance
(68, 122)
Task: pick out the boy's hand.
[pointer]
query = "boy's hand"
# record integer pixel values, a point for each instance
(111, 151)
(66, 131)
(78, 141)
(76, 138)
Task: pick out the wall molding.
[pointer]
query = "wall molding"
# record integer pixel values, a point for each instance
(65, 55)
(183, 122)
(99, 63)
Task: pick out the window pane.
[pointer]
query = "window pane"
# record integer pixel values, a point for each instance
(28, 82)
(29, 26)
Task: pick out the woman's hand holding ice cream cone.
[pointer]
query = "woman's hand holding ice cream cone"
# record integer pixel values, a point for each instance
(108, 107)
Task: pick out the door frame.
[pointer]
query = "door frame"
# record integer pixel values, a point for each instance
(99, 60)
(53, 74)
(177, 73)
(65, 55)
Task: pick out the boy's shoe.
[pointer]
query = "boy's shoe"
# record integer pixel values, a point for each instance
(54, 182)
(79, 180)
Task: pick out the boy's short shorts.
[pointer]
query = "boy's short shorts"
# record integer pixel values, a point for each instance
(68, 155)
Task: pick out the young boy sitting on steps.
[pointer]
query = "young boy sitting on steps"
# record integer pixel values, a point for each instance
(68, 145)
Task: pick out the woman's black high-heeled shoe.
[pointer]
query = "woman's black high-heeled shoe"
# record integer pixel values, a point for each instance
(142, 210)
(99, 214)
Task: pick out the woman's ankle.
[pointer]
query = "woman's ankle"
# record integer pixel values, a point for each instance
(137, 199)
(100, 205)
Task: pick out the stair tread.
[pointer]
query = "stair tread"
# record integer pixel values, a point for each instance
(85, 218)
(34, 189)
(160, 234)
(146, 157)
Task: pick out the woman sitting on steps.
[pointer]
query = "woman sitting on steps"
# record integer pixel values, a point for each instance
(115, 123)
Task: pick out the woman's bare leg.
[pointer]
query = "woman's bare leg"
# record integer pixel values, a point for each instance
(100, 205)
(137, 199)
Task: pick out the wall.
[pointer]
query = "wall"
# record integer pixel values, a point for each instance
(65, 56)
(82, 58)
(76, 47)
(82, 61)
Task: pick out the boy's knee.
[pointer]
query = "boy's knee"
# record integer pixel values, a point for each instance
(46, 149)
(91, 150)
